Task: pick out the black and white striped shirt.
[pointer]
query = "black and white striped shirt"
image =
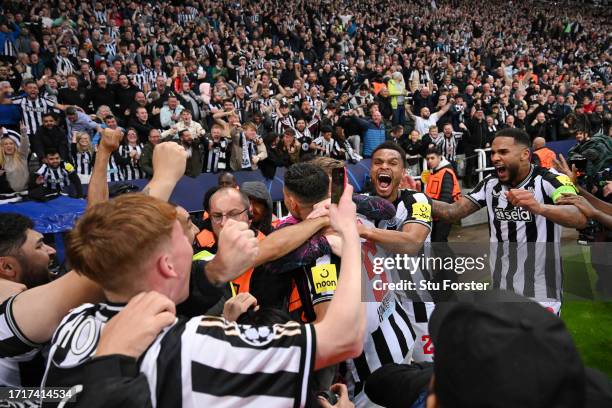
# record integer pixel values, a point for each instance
(448, 147)
(280, 124)
(331, 147)
(240, 106)
(525, 248)
(56, 179)
(84, 162)
(132, 170)
(139, 80)
(413, 207)
(201, 362)
(32, 111)
(101, 16)
(187, 15)
(217, 158)
(20, 362)
(111, 47)
(152, 77)
(113, 171)
(63, 65)
(9, 48)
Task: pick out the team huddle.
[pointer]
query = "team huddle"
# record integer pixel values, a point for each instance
(304, 311)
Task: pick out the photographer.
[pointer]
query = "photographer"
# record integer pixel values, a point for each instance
(599, 212)
(590, 155)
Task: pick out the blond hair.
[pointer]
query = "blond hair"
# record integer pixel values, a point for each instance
(113, 239)
(79, 136)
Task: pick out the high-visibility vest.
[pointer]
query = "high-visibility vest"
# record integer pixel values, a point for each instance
(206, 239)
(433, 187)
(546, 157)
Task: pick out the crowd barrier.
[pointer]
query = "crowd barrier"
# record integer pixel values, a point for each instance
(189, 192)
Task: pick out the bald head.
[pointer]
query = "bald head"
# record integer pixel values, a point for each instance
(538, 143)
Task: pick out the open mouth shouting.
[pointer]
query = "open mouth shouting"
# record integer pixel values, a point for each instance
(502, 171)
(384, 183)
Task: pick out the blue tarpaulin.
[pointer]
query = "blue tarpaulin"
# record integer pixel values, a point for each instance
(57, 215)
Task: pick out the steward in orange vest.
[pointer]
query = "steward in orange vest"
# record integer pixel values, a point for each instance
(208, 244)
(441, 185)
(542, 155)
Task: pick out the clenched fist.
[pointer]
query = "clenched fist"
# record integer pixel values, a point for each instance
(238, 250)
(169, 161)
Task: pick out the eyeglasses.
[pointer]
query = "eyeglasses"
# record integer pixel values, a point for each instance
(232, 215)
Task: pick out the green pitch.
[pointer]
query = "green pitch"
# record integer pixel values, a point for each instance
(588, 319)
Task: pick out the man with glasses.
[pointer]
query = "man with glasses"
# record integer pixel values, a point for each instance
(230, 203)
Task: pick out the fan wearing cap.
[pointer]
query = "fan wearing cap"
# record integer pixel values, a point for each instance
(283, 119)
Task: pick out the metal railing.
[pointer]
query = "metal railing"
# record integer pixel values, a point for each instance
(482, 162)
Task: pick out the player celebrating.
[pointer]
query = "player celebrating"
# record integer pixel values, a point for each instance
(398, 320)
(520, 199)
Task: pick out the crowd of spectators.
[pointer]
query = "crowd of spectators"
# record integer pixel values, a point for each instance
(252, 85)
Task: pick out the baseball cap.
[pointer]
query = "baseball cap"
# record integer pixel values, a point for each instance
(499, 349)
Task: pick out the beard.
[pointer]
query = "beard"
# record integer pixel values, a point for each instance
(513, 172)
(33, 276)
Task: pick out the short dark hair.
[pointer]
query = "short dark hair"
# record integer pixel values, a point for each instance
(182, 132)
(71, 110)
(519, 135)
(49, 114)
(224, 174)
(433, 150)
(307, 182)
(13, 232)
(390, 145)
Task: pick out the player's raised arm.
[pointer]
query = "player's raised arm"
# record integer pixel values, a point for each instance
(455, 211)
(98, 187)
(340, 333)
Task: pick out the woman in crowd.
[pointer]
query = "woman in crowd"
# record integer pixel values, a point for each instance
(14, 171)
(131, 150)
(83, 155)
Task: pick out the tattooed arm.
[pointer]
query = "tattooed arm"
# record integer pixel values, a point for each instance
(169, 161)
(453, 212)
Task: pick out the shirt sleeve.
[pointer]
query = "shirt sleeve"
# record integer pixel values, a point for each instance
(418, 209)
(50, 103)
(322, 279)
(13, 342)
(479, 194)
(556, 184)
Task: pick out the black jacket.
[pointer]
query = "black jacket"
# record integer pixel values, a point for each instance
(54, 138)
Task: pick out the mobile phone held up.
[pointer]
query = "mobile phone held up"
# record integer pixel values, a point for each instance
(338, 184)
